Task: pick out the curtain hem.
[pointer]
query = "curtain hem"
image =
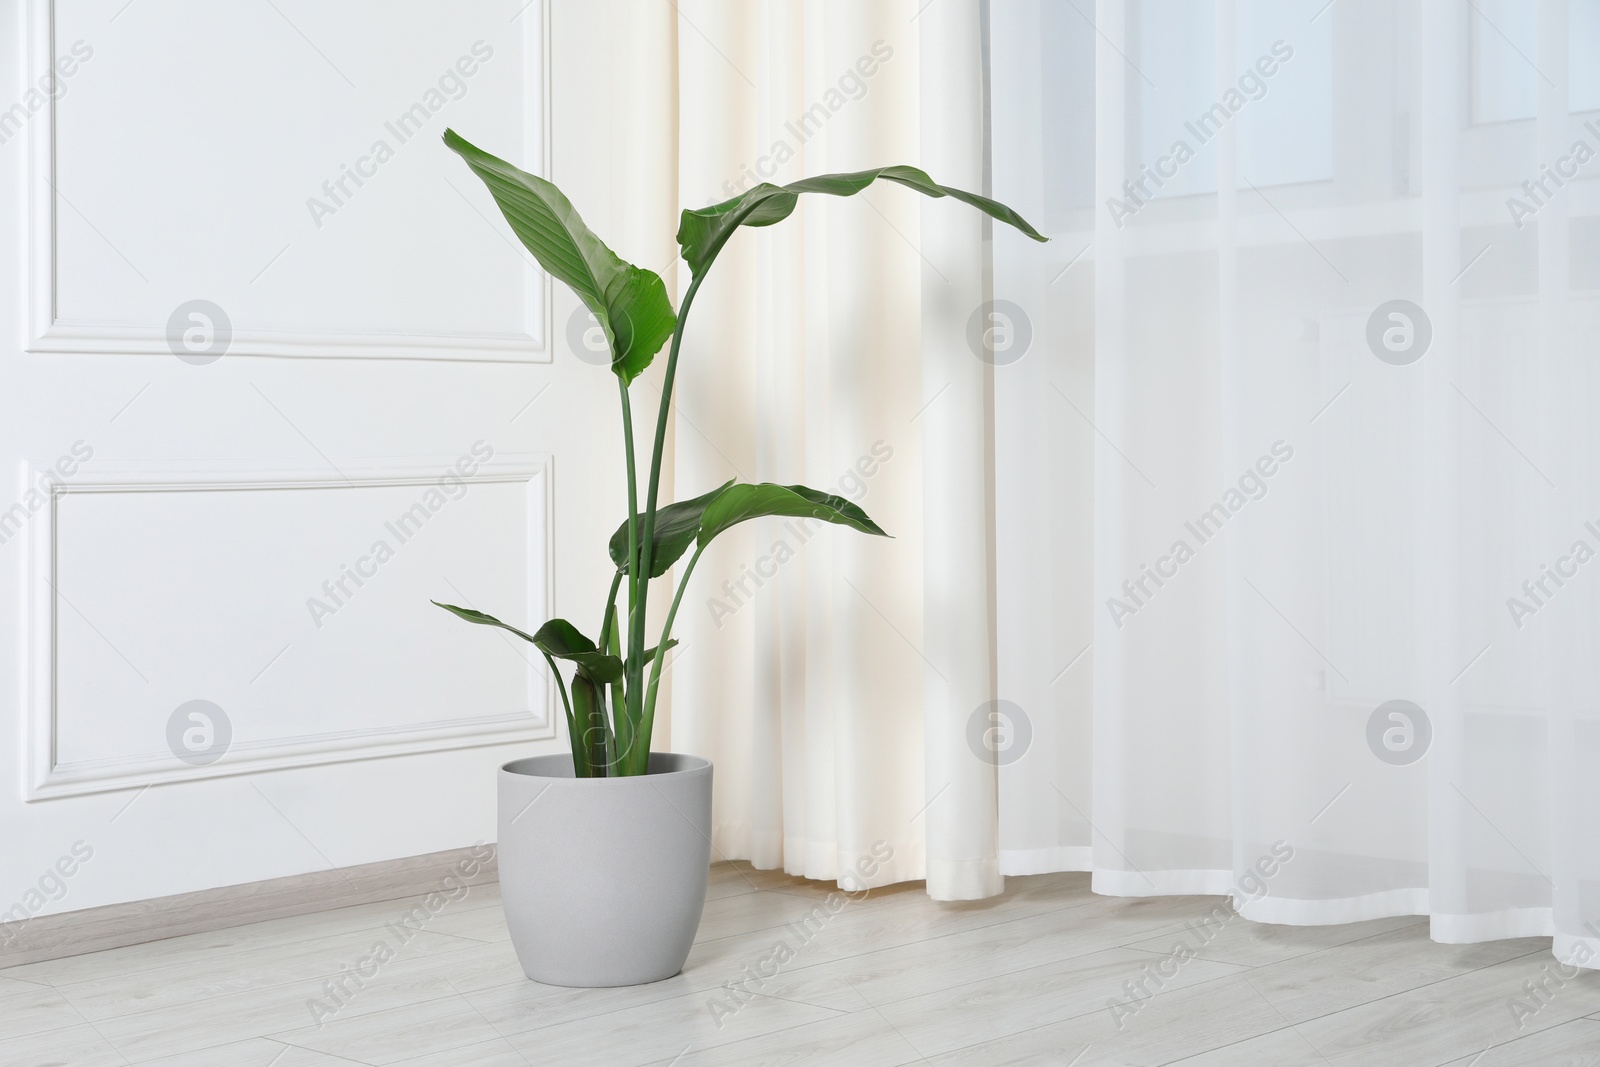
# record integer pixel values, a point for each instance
(964, 879)
(1492, 926)
(1024, 861)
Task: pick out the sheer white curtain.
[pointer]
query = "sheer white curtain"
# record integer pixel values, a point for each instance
(1297, 516)
(828, 675)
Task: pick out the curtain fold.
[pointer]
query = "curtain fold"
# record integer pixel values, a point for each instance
(961, 801)
(831, 676)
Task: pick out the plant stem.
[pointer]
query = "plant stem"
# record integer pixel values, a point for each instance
(633, 510)
(640, 760)
(666, 631)
(622, 726)
(572, 724)
(609, 619)
(590, 715)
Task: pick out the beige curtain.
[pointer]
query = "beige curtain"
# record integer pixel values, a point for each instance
(831, 676)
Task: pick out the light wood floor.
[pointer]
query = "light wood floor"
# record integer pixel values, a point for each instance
(891, 979)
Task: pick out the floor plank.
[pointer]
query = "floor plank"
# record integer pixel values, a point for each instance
(994, 1007)
(1574, 1044)
(857, 1040)
(1371, 969)
(1166, 1027)
(1280, 1048)
(71, 1046)
(661, 1030)
(1249, 944)
(271, 933)
(1452, 1019)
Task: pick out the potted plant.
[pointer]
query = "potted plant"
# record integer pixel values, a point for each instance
(604, 857)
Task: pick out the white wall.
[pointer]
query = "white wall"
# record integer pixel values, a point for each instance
(394, 335)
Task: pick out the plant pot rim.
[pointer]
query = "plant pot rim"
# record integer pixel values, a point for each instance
(557, 766)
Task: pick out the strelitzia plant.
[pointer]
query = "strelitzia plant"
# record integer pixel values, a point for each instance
(610, 707)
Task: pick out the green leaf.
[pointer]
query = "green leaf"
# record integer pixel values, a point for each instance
(676, 526)
(558, 638)
(703, 232)
(737, 503)
(473, 615)
(562, 640)
(672, 643)
(629, 302)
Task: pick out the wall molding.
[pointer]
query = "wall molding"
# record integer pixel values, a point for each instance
(48, 335)
(46, 777)
(49, 937)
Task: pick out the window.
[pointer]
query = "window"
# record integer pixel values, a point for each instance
(1285, 117)
(1505, 79)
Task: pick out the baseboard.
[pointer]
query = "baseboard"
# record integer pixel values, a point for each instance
(48, 937)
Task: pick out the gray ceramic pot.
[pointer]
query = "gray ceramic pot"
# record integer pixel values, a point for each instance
(604, 879)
